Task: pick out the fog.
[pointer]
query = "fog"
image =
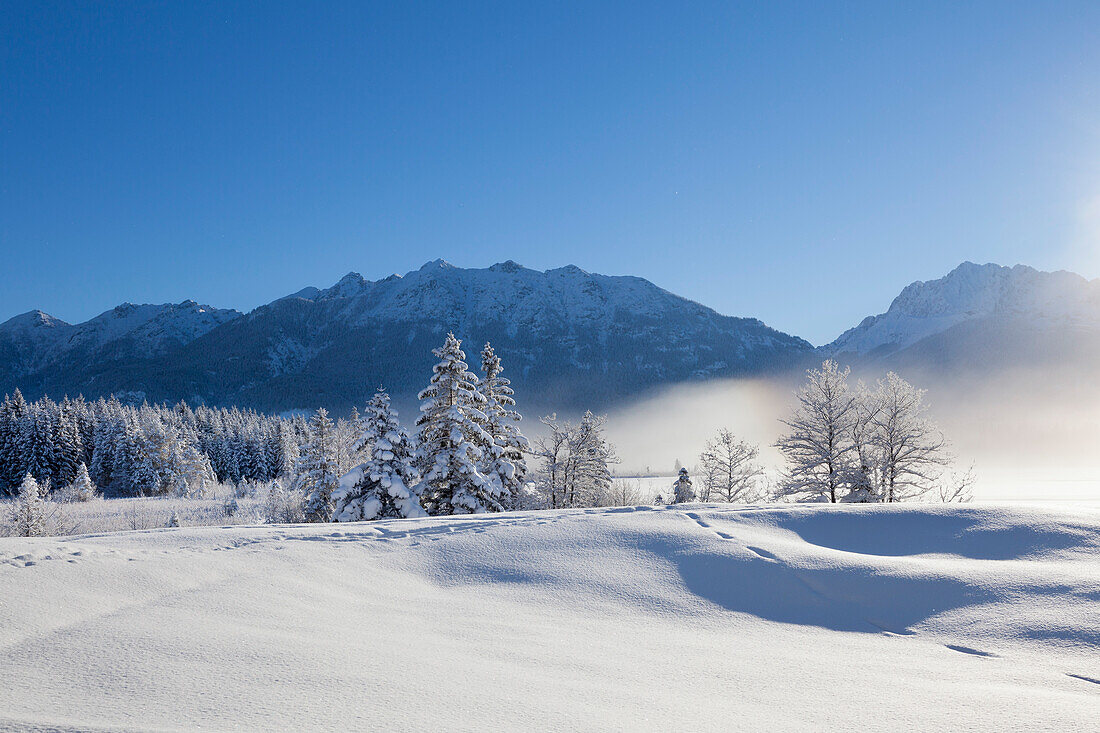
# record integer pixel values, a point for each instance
(1030, 434)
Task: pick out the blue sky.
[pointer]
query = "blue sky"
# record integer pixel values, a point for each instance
(795, 162)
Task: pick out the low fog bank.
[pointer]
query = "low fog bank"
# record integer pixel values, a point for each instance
(1031, 434)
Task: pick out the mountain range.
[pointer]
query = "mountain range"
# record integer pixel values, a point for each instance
(569, 338)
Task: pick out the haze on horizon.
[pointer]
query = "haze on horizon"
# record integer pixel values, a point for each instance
(798, 164)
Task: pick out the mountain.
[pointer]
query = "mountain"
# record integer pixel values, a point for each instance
(37, 349)
(568, 338)
(981, 317)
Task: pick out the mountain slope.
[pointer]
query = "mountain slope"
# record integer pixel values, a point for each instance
(697, 617)
(981, 316)
(568, 338)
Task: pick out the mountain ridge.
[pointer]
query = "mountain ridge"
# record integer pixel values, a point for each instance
(567, 336)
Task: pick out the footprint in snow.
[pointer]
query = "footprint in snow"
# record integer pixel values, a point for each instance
(969, 650)
(761, 552)
(1083, 677)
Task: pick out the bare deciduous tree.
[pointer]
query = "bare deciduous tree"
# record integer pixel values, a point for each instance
(819, 445)
(730, 469)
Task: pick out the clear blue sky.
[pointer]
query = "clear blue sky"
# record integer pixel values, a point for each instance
(795, 162)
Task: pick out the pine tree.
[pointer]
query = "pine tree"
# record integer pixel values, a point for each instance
(318, 474)
(451, 436)
(29, 512)
(682, 491)
(503, 462)
(386, 484)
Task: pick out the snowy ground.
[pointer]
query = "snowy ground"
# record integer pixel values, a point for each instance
(689, 618)
(117, 515)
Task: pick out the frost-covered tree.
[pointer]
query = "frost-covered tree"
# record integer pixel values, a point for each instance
(591, 456)
(730, 469)
(451, 437)
(864, 473)
(912, 450)
(818, 446)
(29, 512)
(503, 460)
(682, 491)
(318, 473)
(386, 484)
(82, 488)
(957, 486)
(283, 505)
(553, 448)
(577, 461)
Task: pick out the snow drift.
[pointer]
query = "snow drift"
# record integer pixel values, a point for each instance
(694, 617)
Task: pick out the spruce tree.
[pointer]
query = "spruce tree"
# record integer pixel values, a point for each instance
(682, 491)
(82, 488)
(450, 438)
(386, 484)
(503, 461)
(318, 475)
(29, 512)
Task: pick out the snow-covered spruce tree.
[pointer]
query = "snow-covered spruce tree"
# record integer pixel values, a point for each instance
(503, 462)
(818, 447)
(386, 484)
(82, 488)
(912, 450)
(682, 492)
(29, 511)
(450, 437)
(16, 429)
(318, 474)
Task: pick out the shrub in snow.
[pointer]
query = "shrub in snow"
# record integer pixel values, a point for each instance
(386, 484)
(29, 512)
(174, 519)
(282, 505)
(451, 439)
(231, 506)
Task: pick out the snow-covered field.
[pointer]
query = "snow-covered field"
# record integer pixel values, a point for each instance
(702, 617)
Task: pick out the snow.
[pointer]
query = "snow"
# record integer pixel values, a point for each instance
(971, 292)
(695, 617)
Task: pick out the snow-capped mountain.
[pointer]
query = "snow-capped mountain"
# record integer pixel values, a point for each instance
(35, 341)
(568, 338)
(979, 312)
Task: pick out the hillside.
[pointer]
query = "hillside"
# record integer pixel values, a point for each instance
(698, 617)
